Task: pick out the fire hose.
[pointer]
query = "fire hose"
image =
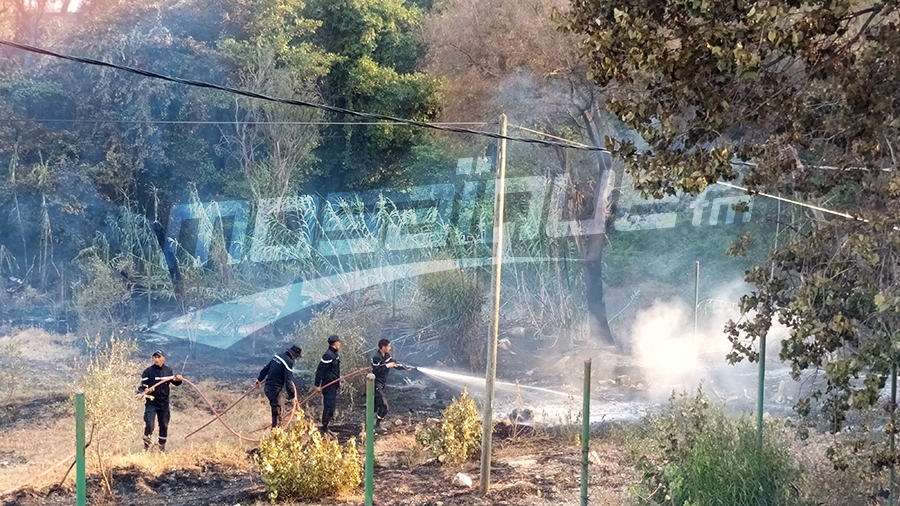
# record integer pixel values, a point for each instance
(211, 407)
(218, 416)
(323, 387)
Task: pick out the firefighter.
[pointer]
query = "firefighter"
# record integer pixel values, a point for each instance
(279, 375)
(156, 407)
(382, 363)
(329, 370)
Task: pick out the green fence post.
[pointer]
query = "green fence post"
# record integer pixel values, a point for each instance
(761, 388)
(370, 436)
(585, 432)
(80, 476)
(892, 478)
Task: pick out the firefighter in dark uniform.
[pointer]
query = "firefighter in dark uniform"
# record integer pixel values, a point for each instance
(156, 407)
(382, 363)
(279, 375)
(329, 370)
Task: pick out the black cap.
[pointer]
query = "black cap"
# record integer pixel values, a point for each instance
(295, 351)
(334, 338)
(158, 352)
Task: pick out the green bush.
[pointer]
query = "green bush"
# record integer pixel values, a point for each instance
(454, 298)
(299, 463)
(457, 438)
(694, 455)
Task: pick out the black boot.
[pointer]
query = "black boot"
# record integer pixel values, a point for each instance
(146, 443)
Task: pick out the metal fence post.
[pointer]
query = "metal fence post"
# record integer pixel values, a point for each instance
(80, 475)
(370, 437)
(586, 432)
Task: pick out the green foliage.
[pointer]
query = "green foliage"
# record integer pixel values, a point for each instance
(694, 455)
(376, 49)
(786, 96)
(299, 463)
(457, 438)
(455, 298)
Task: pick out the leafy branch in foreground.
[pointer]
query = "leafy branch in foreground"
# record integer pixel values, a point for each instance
(795, 98)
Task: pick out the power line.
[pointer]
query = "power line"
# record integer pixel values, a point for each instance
(545, 134)
(301, 103)
(198, 122)
(801, 204)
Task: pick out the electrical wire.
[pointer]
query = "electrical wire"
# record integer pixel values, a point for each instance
(301, 103)
(380, 117)
(795, 202)
(232, 122)
(801, 204)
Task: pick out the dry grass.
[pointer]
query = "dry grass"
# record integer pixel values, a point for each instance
(40, 446)
(35, 438)
(40, 345)
(193, 456)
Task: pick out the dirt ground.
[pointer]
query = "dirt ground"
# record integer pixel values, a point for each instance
(536, 467)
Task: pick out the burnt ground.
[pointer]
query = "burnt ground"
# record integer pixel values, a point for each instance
(532, 465)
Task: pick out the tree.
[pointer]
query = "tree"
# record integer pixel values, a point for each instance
(796, 97)
(502, 56)
(376, 49)
(273, 143)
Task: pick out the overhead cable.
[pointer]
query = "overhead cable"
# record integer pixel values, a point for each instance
(208, 122)
(301, 103)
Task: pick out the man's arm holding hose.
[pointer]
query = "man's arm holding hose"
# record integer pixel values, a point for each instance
(176, 378)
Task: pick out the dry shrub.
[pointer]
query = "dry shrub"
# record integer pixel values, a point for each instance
(836, 470)
(100, 298)
(109, 382)
(12, 370)
(458, 437)
(299, 463)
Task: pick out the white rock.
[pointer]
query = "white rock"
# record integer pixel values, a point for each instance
(398, 422)
(594, 458)
(461, 480)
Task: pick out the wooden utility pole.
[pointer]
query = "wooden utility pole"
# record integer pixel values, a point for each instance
(491, 369)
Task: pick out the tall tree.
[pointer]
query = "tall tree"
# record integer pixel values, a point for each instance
(273, 143)
(508, 56)
(376, 48)
(796, 97)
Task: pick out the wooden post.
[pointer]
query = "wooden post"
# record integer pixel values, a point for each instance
(491, 369)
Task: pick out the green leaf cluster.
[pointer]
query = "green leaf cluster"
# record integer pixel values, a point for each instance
(457, 438)
(300, 463)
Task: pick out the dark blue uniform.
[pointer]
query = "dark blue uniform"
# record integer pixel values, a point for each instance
(329, 370)
(157, 409)
(279, 374)
(381, 371)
